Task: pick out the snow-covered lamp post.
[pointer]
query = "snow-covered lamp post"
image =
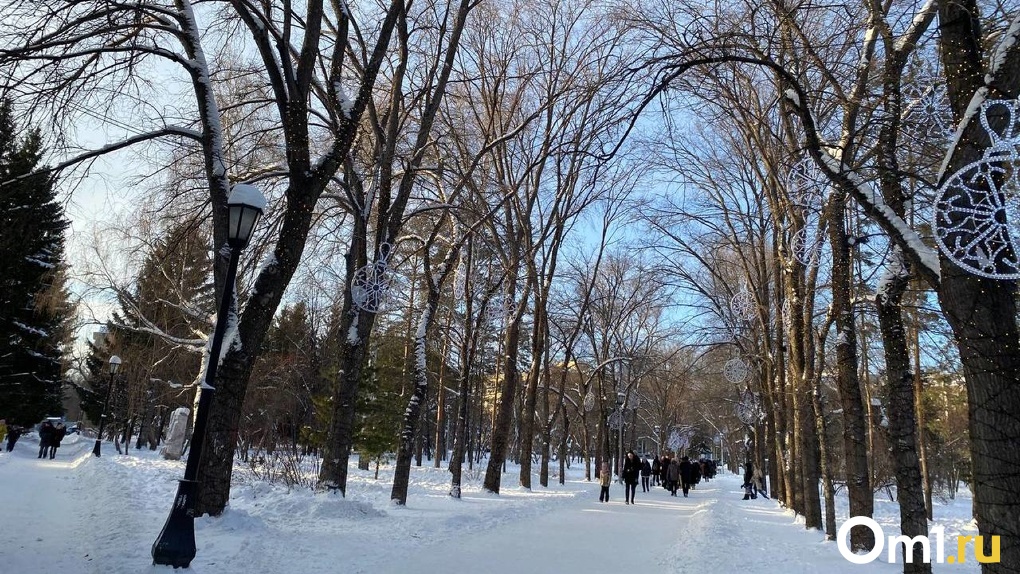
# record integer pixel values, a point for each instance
(114, 365)
(175, 545)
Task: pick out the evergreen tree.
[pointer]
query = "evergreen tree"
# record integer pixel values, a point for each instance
(286, 376)
(156, 331)
(35, 311)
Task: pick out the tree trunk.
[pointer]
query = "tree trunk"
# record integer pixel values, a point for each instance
(826, 465)
(855, 436)
(902, 422)
(412, 414)
(922, 446)
(982, 313)
(504, 408)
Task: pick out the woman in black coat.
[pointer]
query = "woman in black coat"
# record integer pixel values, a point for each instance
(686, 474)
(630, 473)
(46, 433)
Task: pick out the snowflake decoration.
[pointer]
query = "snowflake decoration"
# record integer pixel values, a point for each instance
(928, 116)
(589, 401)
(499, 310)
(788, 314)
(806, 184)
(978, 206)
(460, 282)
(748, 408)
(742, 304)
(615, 420)
(633, 400)
(675, 441)
(736, 370)
(805, 246)
(369, 286)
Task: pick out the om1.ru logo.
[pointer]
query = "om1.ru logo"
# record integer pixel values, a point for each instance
(924, 541)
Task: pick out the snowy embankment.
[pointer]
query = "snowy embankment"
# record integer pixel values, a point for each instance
(78, 514)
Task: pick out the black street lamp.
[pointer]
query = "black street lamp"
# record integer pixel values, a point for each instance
(621, 397)
(175, 545)
(114, 365)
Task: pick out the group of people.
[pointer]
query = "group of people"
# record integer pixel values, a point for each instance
(50, 436)
(673, 474)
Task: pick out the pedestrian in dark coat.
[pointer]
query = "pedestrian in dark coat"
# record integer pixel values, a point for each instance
(58, 435)
(646, 471)
(656, 467)
(664, 470)
(46, 433)
(673, 476)
(686, 474)
(629, 474)
(13, 434)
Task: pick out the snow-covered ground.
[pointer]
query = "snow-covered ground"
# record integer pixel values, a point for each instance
(81, 514)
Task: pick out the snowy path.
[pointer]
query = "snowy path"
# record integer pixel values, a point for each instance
(611, 537)
(41, 522)
(81, 515)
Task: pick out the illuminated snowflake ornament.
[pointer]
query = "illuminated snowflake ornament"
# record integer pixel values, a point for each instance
(633, 400)
(806, 184)
(371, 282)
(615, 420)
(589, 401)
(805, 246)
(460, 282)
(748, 408)
(927, 115)
(977, 214)
(742, 304)
(736, 370)
(675, 440)
(788, 314)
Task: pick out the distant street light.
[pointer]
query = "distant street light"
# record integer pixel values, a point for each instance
(175, 545)
(620, 398)
(114, 365)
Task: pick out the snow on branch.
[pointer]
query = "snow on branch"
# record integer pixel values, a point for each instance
(873, 202)
(112, 147)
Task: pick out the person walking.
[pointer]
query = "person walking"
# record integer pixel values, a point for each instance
(46, 433)
(686, 474)
(656, 467)
(58, 435)
(664, 471)
(13, 434)
(630, 473)
(605, 479)
(646, 471)
(673, 476)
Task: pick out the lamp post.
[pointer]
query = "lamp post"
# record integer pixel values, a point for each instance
(114, 365)
(657, 441)
(175, 545)
(620, 397)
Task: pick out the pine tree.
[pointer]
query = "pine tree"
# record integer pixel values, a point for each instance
(153, 326)
(35, 311)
